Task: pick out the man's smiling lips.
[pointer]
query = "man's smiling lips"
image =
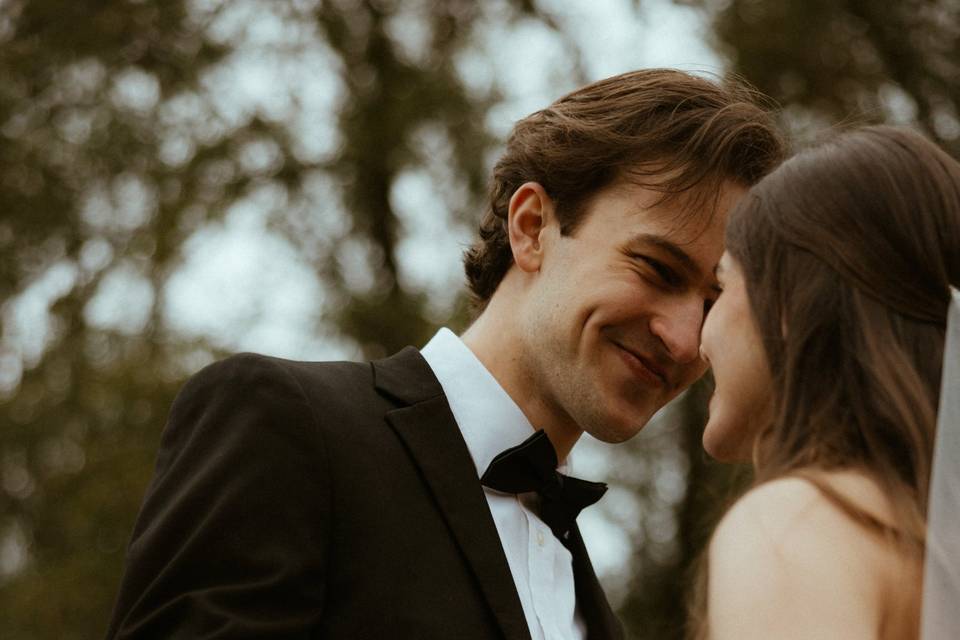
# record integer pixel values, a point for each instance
(643, 367)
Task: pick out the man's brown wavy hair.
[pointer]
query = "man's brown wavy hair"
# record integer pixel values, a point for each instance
(668, 130)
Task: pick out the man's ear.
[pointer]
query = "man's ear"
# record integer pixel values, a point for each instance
(530, 211)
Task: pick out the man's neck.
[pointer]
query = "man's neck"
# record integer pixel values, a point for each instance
(501, 351)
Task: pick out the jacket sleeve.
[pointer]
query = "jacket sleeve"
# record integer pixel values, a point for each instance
(231, 539)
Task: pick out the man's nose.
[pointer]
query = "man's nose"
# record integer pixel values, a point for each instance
(677, 324)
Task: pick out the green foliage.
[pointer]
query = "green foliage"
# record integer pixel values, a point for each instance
(80, 404)
(666, 574)
(848, 61)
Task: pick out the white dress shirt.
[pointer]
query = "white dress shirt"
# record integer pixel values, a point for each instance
(490, 422)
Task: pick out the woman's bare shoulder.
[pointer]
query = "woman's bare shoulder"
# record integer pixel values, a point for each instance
(786, 559)
(793, 507)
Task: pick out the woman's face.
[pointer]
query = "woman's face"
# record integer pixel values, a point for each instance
(730, 343)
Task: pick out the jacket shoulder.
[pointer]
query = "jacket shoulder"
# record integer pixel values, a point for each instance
(244, 368)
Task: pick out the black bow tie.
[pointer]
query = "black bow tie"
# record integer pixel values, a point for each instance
(531, 466)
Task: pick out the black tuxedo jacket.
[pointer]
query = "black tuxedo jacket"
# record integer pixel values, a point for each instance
(322, 500)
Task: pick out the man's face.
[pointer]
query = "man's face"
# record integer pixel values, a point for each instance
(612, 323)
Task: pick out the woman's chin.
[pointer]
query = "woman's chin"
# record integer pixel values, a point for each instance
(724, 444)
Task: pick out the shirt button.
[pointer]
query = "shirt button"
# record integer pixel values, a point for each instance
(540, 538)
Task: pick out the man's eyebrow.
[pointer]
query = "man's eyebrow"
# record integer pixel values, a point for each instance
(678, 254)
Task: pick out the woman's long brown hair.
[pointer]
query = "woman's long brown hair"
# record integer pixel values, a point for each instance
(848, 251)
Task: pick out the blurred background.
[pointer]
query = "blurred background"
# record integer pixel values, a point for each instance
(184, 179)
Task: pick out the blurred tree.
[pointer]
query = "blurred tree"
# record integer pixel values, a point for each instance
(84, 200)
(393, 99)
(845, 61)
(117, 147)
(683, 494)
(405, 100)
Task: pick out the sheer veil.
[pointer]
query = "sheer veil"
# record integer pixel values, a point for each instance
(941, 575)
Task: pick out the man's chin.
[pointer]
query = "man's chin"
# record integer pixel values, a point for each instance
(614, 430)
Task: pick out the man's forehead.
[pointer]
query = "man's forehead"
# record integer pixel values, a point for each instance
(682, 223)
(686, 185)
(689, 212)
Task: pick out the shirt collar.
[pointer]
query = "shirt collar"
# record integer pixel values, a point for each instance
(489, 419)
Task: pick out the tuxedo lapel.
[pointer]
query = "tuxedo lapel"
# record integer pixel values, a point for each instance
(428, 429)
(602, 624)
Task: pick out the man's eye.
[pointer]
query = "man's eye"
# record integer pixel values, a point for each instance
(665, 273)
